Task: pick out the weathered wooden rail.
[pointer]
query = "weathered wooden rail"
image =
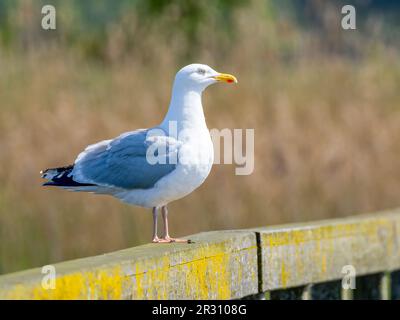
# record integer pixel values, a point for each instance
(300, 261)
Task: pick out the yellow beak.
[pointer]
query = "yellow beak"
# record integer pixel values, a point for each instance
(226, 78)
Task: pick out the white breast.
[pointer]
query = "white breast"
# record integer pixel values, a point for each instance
(195, 159)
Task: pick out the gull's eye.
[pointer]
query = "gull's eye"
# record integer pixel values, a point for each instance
(201, 71)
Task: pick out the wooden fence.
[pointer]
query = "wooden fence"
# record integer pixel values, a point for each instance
(351, 258)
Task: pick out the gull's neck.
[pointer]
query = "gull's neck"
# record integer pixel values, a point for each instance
(185, 109)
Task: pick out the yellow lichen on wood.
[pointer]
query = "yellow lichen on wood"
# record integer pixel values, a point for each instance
(207, 270)
(318, 251)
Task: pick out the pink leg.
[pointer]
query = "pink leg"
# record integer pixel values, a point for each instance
(166, 238)
(155, 237)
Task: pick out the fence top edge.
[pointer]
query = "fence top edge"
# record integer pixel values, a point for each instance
(364, 217)
(231, 239)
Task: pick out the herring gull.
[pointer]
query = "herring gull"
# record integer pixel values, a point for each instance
(152, 167)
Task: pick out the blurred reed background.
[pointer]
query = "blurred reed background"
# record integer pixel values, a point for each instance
(324, 103)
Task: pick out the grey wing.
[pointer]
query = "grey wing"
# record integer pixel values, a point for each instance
(122, 162)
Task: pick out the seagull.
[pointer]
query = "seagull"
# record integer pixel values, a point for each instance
(152, 167)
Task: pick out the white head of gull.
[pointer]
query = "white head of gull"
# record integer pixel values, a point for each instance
(152, 167)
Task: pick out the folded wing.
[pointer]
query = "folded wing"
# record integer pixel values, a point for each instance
(124, 162)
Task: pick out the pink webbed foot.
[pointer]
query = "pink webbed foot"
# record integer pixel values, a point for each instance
(171, 240)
